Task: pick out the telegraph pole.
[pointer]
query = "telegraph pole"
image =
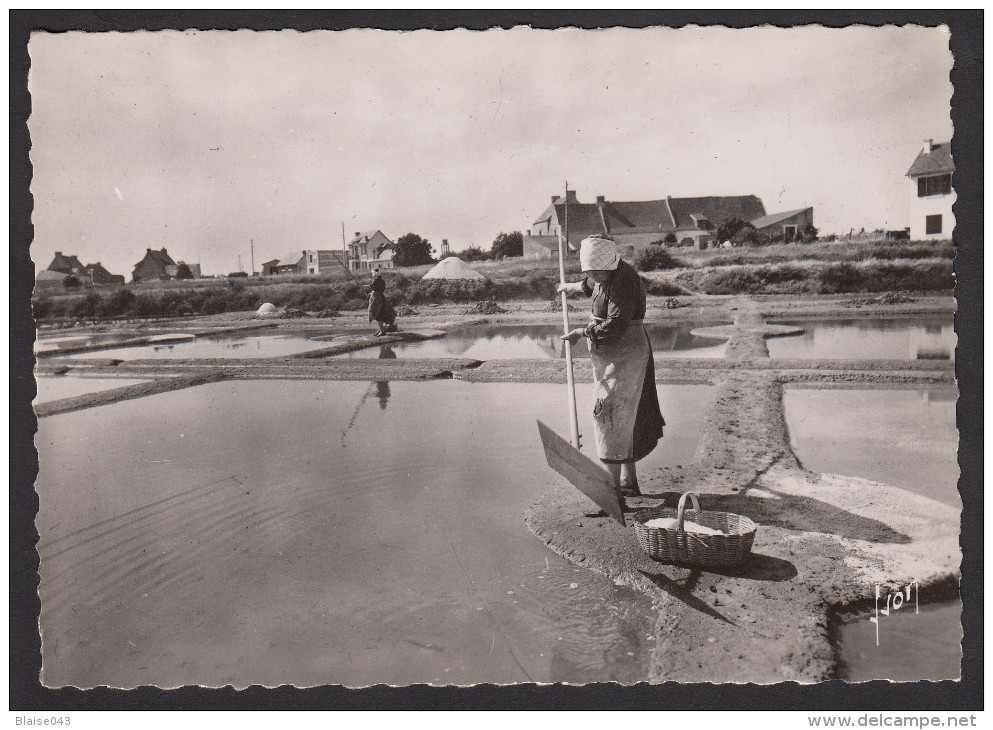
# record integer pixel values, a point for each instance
(567, 215)
(344, 248)
(253, 255)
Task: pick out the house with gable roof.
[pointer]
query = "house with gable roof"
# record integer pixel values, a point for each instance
(636, 224)
(931, 213)
(368, 250)
(65, 264)
(155, 265)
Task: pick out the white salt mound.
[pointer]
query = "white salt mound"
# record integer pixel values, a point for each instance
(453, 268)
(266, 310)
(669, 523)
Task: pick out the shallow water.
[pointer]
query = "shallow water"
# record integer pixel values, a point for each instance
(928, 337)
(56, 387)
(912, 646)
(906, 438)
(48, 344)
(492, 342)
(314, 532)
(236, 345)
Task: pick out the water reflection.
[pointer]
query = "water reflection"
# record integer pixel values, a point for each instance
(382, 393)
(931, 337)
(543, 342)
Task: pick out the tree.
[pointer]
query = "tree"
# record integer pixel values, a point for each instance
(70, 282)
(730, 228)
(183, 271)
(809, 234)
(473, 253)
(412, 250)
(507, 244)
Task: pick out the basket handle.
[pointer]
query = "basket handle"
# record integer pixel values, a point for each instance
(682, 507)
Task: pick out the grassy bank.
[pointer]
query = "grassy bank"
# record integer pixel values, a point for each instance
(821, 278)
(821, 268)
(825, 252)
(327, 297)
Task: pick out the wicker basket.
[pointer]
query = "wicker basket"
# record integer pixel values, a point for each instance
(676, 545)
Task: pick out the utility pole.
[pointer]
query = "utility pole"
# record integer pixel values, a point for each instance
(567, 215)
(344, 248)
(239, 262)
(253, 255)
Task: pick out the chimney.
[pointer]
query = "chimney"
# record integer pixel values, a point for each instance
(148, 250)
(58, 253)
(570, 196)
(164, 251)
(928, 146)
(357, 233)
(599, 200)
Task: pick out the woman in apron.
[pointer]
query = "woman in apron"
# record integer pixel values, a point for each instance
(626, 415)
(380, 310)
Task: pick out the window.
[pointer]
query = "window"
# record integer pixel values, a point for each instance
(932, 224)
(934, 185)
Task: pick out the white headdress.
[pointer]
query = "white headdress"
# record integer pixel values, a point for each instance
(598, 253)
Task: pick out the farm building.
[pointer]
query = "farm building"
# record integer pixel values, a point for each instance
(368, 250)
(787, 225)
(931, 210)
(636, 224)
(295, 262)
(48, 280)
(268, 267)
(96, 274)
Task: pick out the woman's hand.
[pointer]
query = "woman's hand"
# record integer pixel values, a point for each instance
(573, 337)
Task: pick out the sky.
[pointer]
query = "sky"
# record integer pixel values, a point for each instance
(208, 143)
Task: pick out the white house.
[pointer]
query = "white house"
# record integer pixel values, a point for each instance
(368, 250)
(306, 262)
(931, 210)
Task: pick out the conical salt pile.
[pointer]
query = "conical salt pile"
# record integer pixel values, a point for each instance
(267, 310)
(453, 268)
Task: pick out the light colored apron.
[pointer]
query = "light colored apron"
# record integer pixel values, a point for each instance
(618, 377)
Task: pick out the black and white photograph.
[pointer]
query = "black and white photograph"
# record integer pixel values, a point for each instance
(520, 355)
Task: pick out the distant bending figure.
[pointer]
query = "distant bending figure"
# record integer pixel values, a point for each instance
(380, 310)
(626, 415)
